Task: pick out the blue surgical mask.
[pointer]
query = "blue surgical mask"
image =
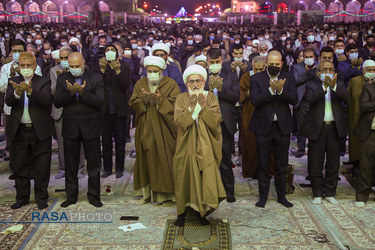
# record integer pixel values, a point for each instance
(16, 56)
(190, 42)
(309, 61)
(353, 56)
(64, 64)
(76, 72)
(369, 75)
(323, 76)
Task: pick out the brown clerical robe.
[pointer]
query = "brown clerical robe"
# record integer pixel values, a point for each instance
(155, 137)
(198, 155)
(248, 143)
(354, 90)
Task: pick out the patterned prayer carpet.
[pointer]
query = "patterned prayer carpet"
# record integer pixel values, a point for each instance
(305, 226)
(215, 236)
(18, 240)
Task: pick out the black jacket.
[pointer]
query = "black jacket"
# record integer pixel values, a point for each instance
(315, 96)
(84, 114)
(266, 105)
(367, 105)
(40, 103)
(119, 85)
(228, 97)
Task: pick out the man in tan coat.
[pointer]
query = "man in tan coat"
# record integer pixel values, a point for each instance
(354, 90)
(196, 164)
(153, 101)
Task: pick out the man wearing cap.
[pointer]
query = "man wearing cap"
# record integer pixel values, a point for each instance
(201, 60)
(324, 126)
(354, 90)
(56, 113)
(153, 101)
(162, 50)
(365, 132)
(198, 152)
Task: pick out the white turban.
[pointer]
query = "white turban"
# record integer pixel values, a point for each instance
(195, 70)
(201, 58)
(368, 63)
(154, 61)
(55, 54)
(73, 39)
(160, 46)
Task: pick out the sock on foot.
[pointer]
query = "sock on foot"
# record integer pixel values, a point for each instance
(285, 202)
(180, 220)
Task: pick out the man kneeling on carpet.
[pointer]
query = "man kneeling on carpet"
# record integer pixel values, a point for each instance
(198, 152)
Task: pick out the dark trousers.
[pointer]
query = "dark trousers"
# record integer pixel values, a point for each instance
(301, 143)
(114, 127)
(279, 142)
(27, 148)
(226, 169)
(326, 147)
(301, 140)
(91, 148)
(366, 168)
(238, 122)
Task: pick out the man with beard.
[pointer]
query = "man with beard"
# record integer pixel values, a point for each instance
(198, 152)
(271, 92)
(153, 101)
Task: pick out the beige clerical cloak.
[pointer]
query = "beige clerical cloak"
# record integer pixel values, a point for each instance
(155, 136)
(198, 154)
(354, 90)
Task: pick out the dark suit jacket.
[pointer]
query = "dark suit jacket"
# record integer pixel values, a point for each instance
(228, 97)
(266, 105)
(315, 96)
(40, 103)
(367, 105)
(84, 114)
(119, 85)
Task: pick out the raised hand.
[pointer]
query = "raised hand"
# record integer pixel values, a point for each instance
(193, 102)
(233, 66)
(273, 85)
(242, 66)
(332, 82)
(146, 96)
(115, 65)
(70, 87)
(280, 84)
(103, 64)
(202, 100)
(79, 88)
(17, 88)
(219, 83)
(26, 87)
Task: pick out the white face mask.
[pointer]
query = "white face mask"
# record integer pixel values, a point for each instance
(153, 77)
(16, 56)
(369, 75)
(309, 61)
(110, 55)
(263, 54)
(27, 72)
(339, 51)
(63, 43)
(283, 38)
(311, 38)
(127, 52)
(323, 76)
(215, 68)
(48, 52)
(76, 72)
(267, 37)
(239, 59)
(28, 40)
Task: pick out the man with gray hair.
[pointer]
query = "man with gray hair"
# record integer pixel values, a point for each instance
(263, 48)
(57, 113)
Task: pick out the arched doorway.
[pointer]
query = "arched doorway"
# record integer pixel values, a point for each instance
(368, 8)
(353, 7)
(66, 9)
(14, 7)
(51, 9)
(32, 8)
(318, 5)
(335, 8)
(103, 7)
(84, 9)
(302, 6)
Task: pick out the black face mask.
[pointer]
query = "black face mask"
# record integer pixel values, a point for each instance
(370, 44)
(273, 70)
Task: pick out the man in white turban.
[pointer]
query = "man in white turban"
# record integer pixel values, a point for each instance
(162, 50)
(197, 159)
(153, 101)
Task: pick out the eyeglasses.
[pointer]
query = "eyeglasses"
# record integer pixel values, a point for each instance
(153, 71)
(160, 55)
(198, 81)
